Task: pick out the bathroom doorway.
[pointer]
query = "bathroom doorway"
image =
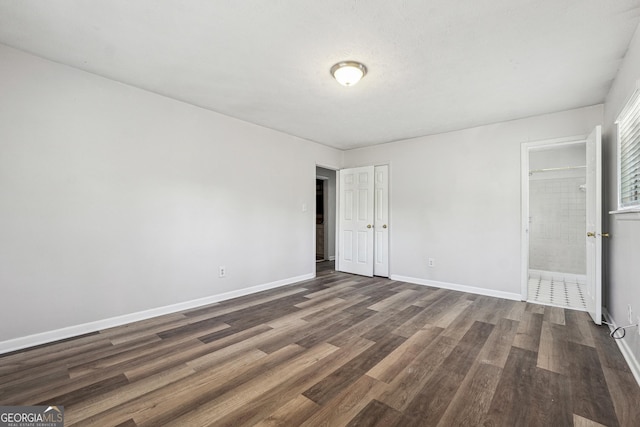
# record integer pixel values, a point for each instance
(557, 255)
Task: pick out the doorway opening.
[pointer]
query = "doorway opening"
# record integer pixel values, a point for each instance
(325, 219)
(557, 225)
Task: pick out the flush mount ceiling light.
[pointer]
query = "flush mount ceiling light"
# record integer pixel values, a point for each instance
(348, 73)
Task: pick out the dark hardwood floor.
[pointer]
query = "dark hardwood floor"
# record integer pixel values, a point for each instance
(337, 350)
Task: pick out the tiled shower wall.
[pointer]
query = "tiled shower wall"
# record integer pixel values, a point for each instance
(557, 209)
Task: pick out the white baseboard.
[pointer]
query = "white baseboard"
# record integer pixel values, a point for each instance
(85, 328)
(568, 277)
(628, 355)
(456, 287)
(332, 258)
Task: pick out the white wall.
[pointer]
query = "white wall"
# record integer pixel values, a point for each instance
(623, 278)
(455, 197)
(330, 222)
(115, 200)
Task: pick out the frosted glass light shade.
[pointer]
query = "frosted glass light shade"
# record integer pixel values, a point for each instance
(348, 73)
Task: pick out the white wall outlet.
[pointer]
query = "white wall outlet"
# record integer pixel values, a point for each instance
(432, 262)
(222, 271)
(629, 313)
(304, 207)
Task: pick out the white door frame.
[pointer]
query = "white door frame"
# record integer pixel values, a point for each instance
(325, 214)
(525, 147)
(313, 222)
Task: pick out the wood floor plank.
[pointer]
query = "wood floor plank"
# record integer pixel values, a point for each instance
(185, 393)
(553, 351)
(591, 397)
(332, 290)
(250, 302)
(131, 355)
(579, 421)
(347, 404)
(95, 404)
(517, 310)
(341, 378)
(399, 301)
(97, 388)
(471, 402)
(336, 350)
(377, 414)
(429, 405)
(389, 367)
(322, 334)
(429, 295)
(411, 380)
(294, 413)
(550, 400)
(511, 401)
(624, 392)
(554, 315)
(461, 324)
(287, 390)
(529, 330)
(396, 319)
(448, 316)
(310, 333)
(28, 397)
(579, 327)
(496, 349)
(212, 411)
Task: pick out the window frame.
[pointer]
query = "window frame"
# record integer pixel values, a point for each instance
(632, 104)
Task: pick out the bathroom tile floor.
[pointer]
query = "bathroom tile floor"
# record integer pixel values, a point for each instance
(560, 293)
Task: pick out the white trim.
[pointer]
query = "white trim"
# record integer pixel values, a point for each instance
(626, 214)
(332, 258)
(455, 287)
(85, 328)
(628, 355)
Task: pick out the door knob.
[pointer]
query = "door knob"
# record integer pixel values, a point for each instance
(384, 226)
(590, 234)
(605, 235)
(368, 225)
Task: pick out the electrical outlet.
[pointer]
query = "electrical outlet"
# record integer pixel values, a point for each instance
(222, 271)
(629, 313)
(432, 262)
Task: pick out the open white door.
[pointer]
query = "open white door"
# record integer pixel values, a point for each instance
(381, 223)
(594, 225)
(355, 234)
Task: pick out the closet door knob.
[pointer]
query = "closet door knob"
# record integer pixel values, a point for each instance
(605, 235)
(384, 226)
(590, 234)
(368, 225)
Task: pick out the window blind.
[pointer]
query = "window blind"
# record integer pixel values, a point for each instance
(629, 153)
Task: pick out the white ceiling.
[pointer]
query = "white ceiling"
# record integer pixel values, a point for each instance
(434, 66)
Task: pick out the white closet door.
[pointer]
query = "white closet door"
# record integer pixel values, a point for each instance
(381, 222)
(356, 221)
